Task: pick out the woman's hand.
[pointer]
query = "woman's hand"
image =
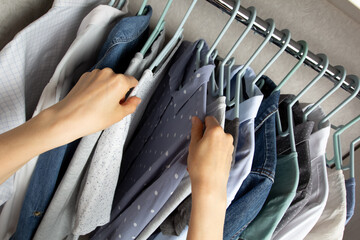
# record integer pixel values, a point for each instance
(96, 102)
(209, 161)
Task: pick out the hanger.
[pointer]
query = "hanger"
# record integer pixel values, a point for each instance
(120, 4)
(342, 73)
(173, 40)
(212, 51)
(111, 3)
(158, 28)
(356, 81)
(285, 42)
(325, 64)
(250, 23)
(142, 7)
(303, 53)
(198, 51)
(352, 157)
(337, 159)
(236, 101)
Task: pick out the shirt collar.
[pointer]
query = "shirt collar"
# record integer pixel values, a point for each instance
(248, 109)
(184, 79)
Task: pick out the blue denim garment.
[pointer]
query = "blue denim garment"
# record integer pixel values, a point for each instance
(41, 188)
(350, 198)
(255, 189)
(125, 39)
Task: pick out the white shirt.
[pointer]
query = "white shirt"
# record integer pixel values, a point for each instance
(26, 65)
(97, 194)
(306, 219)
(331, 223)
(81, 55)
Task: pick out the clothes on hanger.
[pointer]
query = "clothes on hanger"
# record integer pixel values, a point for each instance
(44, 41)
(129, 181)
(306, 219)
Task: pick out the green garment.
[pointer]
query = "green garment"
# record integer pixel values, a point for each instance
(280, 197)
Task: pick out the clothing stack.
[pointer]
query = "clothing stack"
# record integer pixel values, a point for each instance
(129, 181)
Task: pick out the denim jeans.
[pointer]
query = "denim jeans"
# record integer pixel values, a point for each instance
(125, 39)
(255, 189)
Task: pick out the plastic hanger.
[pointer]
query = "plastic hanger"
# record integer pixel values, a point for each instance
(198, 54)
(111, 3)
(290, 131)
(211, 52)
(352, 157)
(342, 73)
(250, 23)
(356, 81)
(142, 7)
(337, 159)
(158, 28)
(303, 53)
(238, 95)
(120, 4)
(173, 40)
(285, 42)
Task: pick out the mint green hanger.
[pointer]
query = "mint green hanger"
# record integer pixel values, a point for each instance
(342, 73)
(198, 54)
(285, 42)
(303, 53)
(250, 23)
(173, 40)
(236, 101)
(352, 157)
(217, 40)
(337, 159)
(111, 3)
(158, 28)
(325, 64)
(142, 7)
(120, 4)
(356, 81)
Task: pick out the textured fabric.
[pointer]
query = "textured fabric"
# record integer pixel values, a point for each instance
(62, 207)
(216, 108)
(140, 62)
(350, 198)
(179, 218)
(6, 191)
(281, 195)
(96, 197)
(302, 133)
(255, 188)
(124, 40)
(331, 223)
(79, 58)
(306, 219)
(159, 147)
(26, 65)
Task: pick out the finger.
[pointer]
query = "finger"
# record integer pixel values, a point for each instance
(211, 122)
(129, 106)
(196, 130)
(126, 83)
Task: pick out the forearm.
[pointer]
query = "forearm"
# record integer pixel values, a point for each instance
(207, 216)
(21, 144)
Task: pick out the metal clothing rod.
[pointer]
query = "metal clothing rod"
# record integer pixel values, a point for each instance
(293, 48)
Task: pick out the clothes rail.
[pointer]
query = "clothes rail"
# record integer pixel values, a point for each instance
(293, 48)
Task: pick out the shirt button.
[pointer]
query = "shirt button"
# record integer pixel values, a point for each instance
(37, 214)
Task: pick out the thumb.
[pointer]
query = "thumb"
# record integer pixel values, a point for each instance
(196, 130)
(129, 106)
